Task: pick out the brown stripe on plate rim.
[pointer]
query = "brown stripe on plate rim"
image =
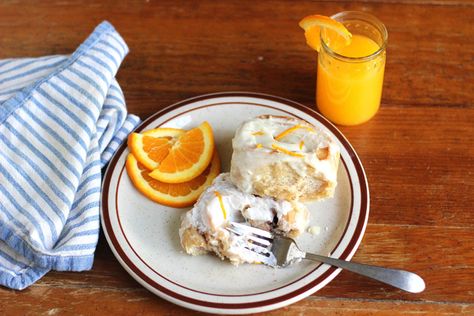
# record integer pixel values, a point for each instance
(117, 211)
(352, 244)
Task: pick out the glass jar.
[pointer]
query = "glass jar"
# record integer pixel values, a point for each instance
(350, 79)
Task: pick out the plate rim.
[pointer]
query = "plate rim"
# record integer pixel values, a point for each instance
(237, 308)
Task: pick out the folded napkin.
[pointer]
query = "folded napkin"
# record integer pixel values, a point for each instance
(61, 120)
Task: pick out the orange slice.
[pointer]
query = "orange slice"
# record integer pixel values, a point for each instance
(335, 33)
(152, 146)
(188, 157)
(175, 195)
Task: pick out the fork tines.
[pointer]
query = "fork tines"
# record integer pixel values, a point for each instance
(242, 229)
(257, 240)
(257, 237)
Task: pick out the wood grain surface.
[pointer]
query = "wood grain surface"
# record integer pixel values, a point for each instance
(418, 152)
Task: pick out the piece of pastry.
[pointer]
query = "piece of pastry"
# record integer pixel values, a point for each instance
(203, 228)
(284, 158)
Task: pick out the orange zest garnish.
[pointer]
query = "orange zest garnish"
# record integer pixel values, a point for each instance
(301, 145)
(285, 151)
(258, 133)
(221, 202)
(259, 146)
(291, 130)
(287, 131)
(335, 33)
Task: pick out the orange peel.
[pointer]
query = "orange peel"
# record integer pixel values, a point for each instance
(335, 33)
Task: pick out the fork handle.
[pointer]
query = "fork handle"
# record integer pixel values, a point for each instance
(401, 279)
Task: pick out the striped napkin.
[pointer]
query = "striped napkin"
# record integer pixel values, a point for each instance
(61, 120)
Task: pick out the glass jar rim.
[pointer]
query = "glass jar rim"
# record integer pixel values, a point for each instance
(366, 17)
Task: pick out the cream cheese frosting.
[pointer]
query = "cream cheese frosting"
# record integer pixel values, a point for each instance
(223, 203)
(268, 140)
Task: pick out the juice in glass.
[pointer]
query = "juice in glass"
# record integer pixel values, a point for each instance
(350, 78)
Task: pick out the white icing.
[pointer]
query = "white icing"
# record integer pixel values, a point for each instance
(314, 230)
(247, 158)
(207, 215)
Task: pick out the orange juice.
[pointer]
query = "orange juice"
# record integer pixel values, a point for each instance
(350, 78)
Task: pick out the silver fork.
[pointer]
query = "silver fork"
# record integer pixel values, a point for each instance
(280, 251)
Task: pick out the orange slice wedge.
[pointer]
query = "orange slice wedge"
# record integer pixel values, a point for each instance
(152, 146)
(335, 33)
(175, 195)
(188, 157)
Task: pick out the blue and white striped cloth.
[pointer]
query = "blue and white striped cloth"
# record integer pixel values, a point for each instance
(61, 120)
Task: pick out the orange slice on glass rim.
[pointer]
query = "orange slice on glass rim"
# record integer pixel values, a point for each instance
(171, 194)
(152, 146)
(335, 33)
(188, 157)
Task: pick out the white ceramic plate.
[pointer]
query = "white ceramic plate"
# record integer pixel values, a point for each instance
(144, 235)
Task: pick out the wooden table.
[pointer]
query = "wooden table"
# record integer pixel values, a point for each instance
(417, 152)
